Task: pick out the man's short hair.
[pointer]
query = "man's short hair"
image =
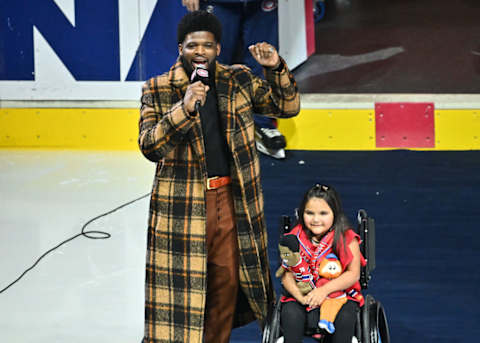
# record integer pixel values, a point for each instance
(199, 21)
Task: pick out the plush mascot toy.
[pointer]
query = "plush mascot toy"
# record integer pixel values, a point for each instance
(290, 254)
(329, 268)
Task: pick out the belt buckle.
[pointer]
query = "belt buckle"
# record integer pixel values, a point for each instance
(208, 182)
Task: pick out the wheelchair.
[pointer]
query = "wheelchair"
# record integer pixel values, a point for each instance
(371, 324)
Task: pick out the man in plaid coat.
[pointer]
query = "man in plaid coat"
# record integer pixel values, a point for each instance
(207, 262)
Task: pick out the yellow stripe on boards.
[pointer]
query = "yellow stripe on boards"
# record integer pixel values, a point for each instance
(312, 129)
(69, 128)
(457, 129)
(354, 129)
(330, 129)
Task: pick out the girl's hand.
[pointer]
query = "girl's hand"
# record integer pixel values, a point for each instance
(265, 54)
(288, 281)
(316, 297)
(301, 299)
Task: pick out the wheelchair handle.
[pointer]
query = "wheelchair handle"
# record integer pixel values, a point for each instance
(362, 214)
(285, 224)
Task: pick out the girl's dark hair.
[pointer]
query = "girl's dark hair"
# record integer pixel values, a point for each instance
(199, 21)
(340, 222)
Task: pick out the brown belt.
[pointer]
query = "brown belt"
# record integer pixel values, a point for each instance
(217, 182)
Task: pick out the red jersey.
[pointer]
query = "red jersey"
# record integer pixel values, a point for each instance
(313, 254)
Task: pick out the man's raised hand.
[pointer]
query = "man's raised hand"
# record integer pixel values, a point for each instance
(265, 54)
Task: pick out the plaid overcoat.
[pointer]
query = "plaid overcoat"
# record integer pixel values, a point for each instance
(176, 266)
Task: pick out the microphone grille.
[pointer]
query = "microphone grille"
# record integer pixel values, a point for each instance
(199, 74)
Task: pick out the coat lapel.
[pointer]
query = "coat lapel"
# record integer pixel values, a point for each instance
(178, 77)
(179, 80)
(226, 101)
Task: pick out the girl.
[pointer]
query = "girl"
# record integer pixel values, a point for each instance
(323, 229)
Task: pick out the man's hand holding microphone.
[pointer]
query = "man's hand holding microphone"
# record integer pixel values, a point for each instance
(197, 91)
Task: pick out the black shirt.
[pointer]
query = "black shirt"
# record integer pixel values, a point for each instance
(217, 154)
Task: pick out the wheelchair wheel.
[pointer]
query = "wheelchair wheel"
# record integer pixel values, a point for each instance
(383, 331)
(374, 322)
(271, 331)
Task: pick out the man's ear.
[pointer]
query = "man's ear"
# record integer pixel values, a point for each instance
(180, 49)
(219, 48)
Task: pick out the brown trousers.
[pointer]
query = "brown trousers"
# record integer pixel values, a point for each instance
(222, 265)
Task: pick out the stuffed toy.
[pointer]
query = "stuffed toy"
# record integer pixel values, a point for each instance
(329, 268)
(290, 254)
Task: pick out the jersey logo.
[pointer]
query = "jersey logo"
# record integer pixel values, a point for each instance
(269, 5)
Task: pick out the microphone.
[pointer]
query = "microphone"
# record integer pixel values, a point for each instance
(199, 74)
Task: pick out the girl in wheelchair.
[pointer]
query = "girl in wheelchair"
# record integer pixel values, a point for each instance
(311, 298)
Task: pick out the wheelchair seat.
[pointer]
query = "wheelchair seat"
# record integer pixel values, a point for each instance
(371, 324)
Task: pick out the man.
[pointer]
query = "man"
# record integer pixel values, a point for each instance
(245, 22)
(206, 209)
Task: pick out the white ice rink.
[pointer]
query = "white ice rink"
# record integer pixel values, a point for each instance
(87, 290)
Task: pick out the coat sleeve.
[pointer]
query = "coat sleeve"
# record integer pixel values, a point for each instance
(278, 95)
(160, 132)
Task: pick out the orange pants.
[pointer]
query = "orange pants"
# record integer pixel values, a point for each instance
(222, 265)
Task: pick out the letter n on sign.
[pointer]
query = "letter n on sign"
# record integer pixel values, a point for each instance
(404, 125)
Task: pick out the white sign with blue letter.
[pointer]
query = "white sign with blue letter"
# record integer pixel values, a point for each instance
(84, 49)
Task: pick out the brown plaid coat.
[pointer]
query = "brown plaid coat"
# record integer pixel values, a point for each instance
(176, 251)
